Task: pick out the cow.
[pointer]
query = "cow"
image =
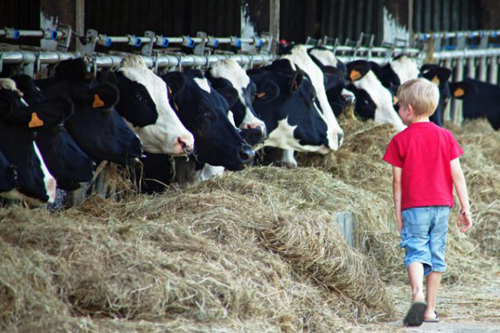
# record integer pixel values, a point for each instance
(144, 104)
(480, 100)
(95, 125)
(286, 102)
(298, 55)
(399, 70)
(226, 74)
(204, 112)
(373, 100)
(335, 72)
(34, 184)
(440, 76)
(64, 159)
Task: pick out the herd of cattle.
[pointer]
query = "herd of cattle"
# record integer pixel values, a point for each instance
(55, 131)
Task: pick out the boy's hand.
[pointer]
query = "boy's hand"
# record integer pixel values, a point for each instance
(464, 221)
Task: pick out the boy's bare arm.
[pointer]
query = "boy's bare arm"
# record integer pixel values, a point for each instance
(464, 219)
(396, 190)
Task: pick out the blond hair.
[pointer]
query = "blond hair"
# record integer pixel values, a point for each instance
(421, 94)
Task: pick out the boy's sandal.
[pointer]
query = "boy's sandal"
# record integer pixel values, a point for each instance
(415, 315)
(432, 320)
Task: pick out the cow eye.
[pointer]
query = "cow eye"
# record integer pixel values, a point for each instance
(138, 97)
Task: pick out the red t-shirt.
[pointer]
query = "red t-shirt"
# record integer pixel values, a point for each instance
(424, 151)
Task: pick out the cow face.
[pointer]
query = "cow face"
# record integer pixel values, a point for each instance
(227, 74)
(204, 112)
(397, 72)
(480, 99)
(33, 183)
(8, 175)
(95, 125)
(145, 105)
(376, 101)
(64, 159)
(286, 101)
(439, 76)
(299, 56)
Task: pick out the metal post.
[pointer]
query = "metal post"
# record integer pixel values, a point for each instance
(494, 70)
(274, 23)
(79, 23)
(457, 106)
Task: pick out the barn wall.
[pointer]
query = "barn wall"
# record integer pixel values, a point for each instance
(167, 17)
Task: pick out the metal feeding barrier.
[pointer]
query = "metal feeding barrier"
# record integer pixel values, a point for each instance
(156, 50)
(473, 54)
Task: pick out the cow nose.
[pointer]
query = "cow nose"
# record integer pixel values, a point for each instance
(246, 154)
(349, 99)
(186, 144)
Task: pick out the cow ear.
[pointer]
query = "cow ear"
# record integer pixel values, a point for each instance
(296, 81)
(176, 82)
(462, 89)
(356, 70)
(267, 91)
(104, 96)
(230, 95)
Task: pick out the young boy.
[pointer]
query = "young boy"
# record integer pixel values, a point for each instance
(425, 169)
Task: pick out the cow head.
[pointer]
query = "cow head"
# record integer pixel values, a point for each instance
(145, 105)
(227, 74)
(286, 101)
(299, 56)
(373, 100)
(204, 112)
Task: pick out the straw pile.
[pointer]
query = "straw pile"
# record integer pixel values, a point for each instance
(253, 251)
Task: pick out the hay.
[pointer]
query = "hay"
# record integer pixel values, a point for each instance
(253, 251)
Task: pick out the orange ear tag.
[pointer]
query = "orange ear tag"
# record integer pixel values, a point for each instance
(170, 90)
(459, 92)
(435, 80)
(295, 86)
(355, 75)
(260, 94)
(35, 121)
(97, 102)
(394, 100)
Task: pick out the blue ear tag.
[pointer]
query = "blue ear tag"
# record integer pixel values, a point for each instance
(107, 42)
(16, 34)
(163, 42)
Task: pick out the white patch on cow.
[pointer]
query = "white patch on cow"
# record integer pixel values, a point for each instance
(230, 70)
(282, 137)
(163, 136)
(207, 172)
(288, 158)
(326, 57)
(203, 84)
(49, 180)
(300, 57)
(230, 116)
(405, 68)
(382, 98)
(347, 93)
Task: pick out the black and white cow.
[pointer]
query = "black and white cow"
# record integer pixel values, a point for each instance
(34, 183)
(299, 56)
(286, 102)
(480, 100)
(228, 74)
(401, 69)
(95, 125)
(373, 100)
(144, 104)
(336, 81)
(204, 112)
(64, 159)
(438, 75)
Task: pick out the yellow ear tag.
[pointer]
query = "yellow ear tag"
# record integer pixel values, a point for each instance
(295, 86)
(355, 75)
(435, 80)
(97, 102)
(35, 121)
(459, 92)
(260, 94)
(170, 90)
(176, 107)
(394, 100)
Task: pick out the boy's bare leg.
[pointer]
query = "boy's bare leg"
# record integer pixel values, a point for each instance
(416, 273)
(433, 282)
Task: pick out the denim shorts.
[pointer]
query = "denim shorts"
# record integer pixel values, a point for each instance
(424, 236)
